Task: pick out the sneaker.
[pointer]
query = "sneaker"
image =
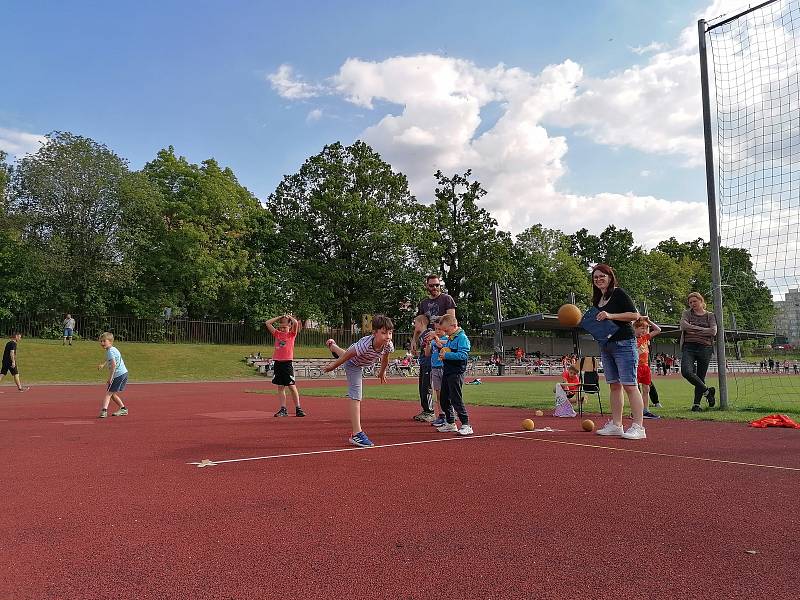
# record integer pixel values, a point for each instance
(649, 415)
(696, 408)
(611, 429)
(465, 429)
(635, 432)
(447, 428)
(427, 417)
(103, 414)
(421, 416)
(24, 389)
(656, 405)
(361, 440)
(282, 412)
(122, 412)
(298, 412)
(711, 396)
(440, 420)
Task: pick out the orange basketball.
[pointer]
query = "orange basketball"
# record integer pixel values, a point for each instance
(569, 315)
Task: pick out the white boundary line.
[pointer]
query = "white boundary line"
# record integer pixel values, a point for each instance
(516, 435)
(212, 463)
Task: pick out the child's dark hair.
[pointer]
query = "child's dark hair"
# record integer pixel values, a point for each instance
(382, 322)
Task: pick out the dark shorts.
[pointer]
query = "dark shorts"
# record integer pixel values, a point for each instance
(7, 368)
(118, 383)
(284, 372)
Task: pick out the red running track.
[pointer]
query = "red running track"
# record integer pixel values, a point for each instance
(112, 509)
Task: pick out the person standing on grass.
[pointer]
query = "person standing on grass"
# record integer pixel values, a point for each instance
(436, 304)
(698, 330)
(69, 329)
(454, 355)
(618, 353)
(361, 354)
(10, 360)
(645, 331)
(117, 377)
(282, 361)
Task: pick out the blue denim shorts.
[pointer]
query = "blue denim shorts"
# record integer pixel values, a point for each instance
(620, 360)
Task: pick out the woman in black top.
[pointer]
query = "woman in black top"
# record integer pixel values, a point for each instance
(619, 354)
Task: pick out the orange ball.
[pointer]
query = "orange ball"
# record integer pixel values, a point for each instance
(569, 315)
(528, 425)
(538, 413)
(588, 425)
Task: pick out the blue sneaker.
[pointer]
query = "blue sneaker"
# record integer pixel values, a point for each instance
(439, 421)
(649, 415)
(361, 440)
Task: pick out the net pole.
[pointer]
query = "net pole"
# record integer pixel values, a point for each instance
(716, 278)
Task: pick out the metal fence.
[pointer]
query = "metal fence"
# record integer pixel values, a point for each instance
(184, 331)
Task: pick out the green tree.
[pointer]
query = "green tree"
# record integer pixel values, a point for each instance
(67, 194)
(471, 251)
(543, 273)
(345, 223)
(205, 216)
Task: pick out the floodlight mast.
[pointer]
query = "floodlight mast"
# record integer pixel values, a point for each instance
(716, 277)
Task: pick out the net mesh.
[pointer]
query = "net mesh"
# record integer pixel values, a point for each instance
(753, 59)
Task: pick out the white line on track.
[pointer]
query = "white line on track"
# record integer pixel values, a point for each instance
(519, 435)
(212, 463)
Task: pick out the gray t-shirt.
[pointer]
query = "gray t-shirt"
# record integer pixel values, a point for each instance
(436, 307)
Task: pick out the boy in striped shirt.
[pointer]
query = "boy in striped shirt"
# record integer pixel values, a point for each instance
(361, 354)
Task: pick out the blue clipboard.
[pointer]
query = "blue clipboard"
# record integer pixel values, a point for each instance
(599, 330)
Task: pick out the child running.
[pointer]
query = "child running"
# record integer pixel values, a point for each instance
(454, 355)
(10, 360)
(645, 331)
(282, 365)
(117, 377)
(361, 354)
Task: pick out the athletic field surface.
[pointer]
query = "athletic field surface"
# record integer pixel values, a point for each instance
(201, 493)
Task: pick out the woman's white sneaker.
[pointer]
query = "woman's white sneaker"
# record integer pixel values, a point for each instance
(635, 432)
(611, 428)
(465, 430)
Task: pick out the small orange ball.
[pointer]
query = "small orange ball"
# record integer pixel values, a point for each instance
(569, 315)
(588, 425)
(538, 413)
(528, 425)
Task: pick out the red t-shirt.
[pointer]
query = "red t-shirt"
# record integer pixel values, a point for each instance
(568, 378)
(643, 346)
(284, 344)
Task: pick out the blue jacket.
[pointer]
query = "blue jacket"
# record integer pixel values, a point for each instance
(455, 359)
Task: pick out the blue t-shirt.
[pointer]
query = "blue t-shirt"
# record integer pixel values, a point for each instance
(436, 362)
(113, 354)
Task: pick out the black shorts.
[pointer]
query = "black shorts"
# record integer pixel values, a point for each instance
(7, 368)
(283, 372)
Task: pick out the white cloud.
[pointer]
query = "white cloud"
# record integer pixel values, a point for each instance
(435, 123)
(644, 173)
(651, 47)
(288, 86)
(20, 143)
(314, 115)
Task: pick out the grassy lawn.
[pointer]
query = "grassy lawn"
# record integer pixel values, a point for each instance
(674, 394)
(42, 361)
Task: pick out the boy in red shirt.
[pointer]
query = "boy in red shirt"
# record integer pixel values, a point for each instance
(645, 331)
(282, 358)
(565, 392)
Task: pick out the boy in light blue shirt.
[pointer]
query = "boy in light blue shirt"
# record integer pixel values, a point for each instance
(117, 376)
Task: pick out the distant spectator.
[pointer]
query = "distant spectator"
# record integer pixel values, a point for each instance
(698, 330)
(69, 329)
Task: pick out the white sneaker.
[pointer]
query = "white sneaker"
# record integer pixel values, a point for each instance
(465, 430)
(447, 427)
(635, 432)
(611, 428)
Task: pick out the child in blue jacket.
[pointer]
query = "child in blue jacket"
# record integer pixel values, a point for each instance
(454, 355)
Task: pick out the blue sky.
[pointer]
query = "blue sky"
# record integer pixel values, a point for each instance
(141, 76)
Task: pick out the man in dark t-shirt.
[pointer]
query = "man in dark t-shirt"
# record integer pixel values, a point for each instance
(435, 305)
(10, 360)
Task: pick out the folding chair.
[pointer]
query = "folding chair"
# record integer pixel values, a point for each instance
(590, 381)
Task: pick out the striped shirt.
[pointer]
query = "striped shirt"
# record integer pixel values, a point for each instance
(366, 354)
